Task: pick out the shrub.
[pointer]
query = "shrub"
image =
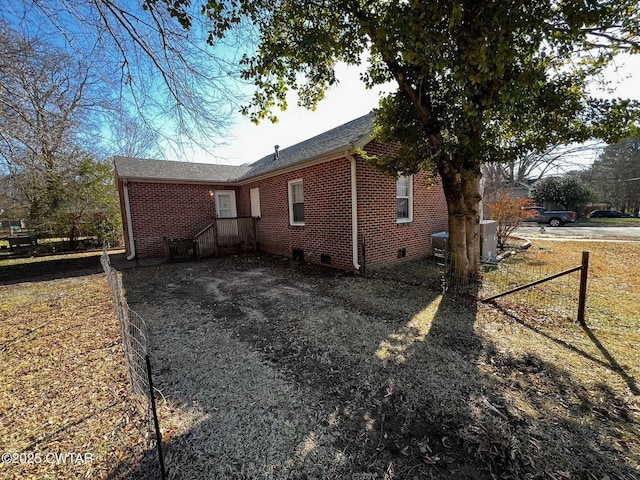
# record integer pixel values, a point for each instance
(509, 213)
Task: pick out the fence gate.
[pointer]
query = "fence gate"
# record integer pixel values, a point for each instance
(180, 249)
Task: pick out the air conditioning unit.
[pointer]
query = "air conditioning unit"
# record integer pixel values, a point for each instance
(488, 240)
(439, 244)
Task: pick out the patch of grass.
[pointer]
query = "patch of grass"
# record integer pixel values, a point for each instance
(20, 269)
(614, 222)
(16, 261)
(64, 386)
(269, 370)
(613, 324)
(614, 277)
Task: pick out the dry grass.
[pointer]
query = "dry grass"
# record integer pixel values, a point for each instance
(570, 377)
(49, 267)
(616, 222)
(64, 386)
(277, 371)
(269, 370)
(614, 278)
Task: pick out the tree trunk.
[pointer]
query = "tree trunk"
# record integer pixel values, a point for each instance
(73, 237)
(471, 177)
(461, 183)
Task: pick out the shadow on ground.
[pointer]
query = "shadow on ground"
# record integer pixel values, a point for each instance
(49, 267)
(272, 370)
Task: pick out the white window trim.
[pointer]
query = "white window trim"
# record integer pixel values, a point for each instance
(290, 183)
(410, 197)
(232, 193)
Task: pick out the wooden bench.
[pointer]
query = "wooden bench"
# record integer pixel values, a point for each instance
(22, 244)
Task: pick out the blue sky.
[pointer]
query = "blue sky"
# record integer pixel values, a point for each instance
(346, 101)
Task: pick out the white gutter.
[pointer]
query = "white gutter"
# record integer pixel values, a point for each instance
(127, 213)
(354, 209)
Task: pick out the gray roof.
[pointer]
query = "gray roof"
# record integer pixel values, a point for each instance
(165, 170)
(334, 141)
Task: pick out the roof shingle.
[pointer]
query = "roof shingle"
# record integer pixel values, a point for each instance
(166, 170)
(329, 142)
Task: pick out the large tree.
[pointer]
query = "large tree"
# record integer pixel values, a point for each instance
(500, 177)
(46, 104)
(569, 192)
(478, 80)
(616, 175)
(48, 124)
(87, 203)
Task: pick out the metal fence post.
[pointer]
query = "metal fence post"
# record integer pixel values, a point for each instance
(582, 298)
(155, 419)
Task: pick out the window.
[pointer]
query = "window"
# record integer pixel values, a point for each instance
(404, 199)
(296, 202)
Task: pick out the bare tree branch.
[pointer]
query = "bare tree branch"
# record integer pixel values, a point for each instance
(180, 87)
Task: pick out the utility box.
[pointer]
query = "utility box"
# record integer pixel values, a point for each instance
(439, 244)
(488, 240)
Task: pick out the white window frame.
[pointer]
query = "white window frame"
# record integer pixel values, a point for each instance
(232, 193)
(409, 198)
(291, 184)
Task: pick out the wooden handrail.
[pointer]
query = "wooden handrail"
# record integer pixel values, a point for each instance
(202, 231)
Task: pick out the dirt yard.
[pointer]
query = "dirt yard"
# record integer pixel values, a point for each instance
(275, 370)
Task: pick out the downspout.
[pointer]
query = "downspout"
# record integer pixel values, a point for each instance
(127, 213)
(354, 209)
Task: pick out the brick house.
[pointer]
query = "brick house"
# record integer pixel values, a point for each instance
(317, 200)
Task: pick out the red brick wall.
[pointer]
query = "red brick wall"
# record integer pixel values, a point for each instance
(171, 210)
(377, 221)
(161, 210)
(327, 213)
(327, 230)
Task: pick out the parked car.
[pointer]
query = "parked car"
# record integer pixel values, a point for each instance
(608, 214)
(553, 218)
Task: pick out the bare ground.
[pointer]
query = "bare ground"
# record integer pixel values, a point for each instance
(269, 369)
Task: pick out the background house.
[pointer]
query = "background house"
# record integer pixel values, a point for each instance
(317, 200)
